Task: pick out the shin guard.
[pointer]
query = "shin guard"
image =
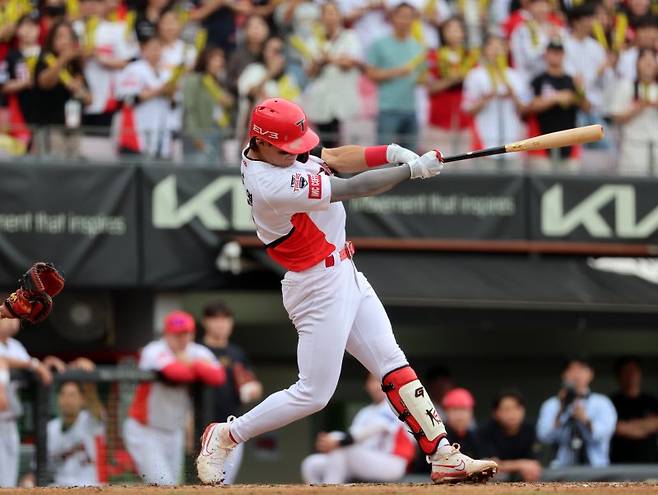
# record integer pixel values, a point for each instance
(410, 400)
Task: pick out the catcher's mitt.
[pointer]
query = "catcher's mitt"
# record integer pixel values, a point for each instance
(33, 300)
(27, 305)
(43, 277)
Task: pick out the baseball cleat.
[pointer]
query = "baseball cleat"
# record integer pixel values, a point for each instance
(216, 445)
(449, 465)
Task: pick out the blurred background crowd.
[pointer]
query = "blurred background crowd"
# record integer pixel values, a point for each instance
(176, 80)
(95, 438)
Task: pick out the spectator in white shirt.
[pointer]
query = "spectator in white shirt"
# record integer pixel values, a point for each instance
(146, 93)
(176, 54)
(528, 42)
(496, 96)
(331, 96)
(646, 36)
(111, 44)
(589, 64)
(635, 108)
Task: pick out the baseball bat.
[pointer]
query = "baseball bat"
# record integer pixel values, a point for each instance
(568, 137)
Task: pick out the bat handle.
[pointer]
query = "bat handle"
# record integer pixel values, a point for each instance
(496, 150)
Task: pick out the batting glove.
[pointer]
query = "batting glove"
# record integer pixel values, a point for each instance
(397, 154)
(426, 166)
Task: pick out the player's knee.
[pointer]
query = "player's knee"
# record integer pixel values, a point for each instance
(316, 404)
(313, 399)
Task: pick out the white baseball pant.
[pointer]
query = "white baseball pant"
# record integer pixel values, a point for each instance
(355, 462)
(158, 454)
(9, 453)
(333, 309)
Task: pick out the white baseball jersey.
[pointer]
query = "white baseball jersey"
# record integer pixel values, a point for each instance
(12, 348)
(73, 453)
(292, 211)
(385, 432)
(110, 40)
(498, 122)
(164, 405)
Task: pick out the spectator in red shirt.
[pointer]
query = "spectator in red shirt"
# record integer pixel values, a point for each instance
(448, 67)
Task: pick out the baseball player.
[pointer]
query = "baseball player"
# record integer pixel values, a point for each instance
(13, 355)
(241, 387)
(296, 205)
(154, 431)
(76, 436)
(377, 447)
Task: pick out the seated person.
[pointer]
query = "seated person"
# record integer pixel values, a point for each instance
(76, 437)
(636, 439)
(510, 439)
(458, 406)
(377, 446)
(579, 422)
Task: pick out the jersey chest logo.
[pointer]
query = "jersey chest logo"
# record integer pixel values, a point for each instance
(298, 182)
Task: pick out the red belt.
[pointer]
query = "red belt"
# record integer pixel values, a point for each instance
(343, 254)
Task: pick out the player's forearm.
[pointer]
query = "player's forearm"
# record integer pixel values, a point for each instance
(209, 373)
(370, 183)
(365, 432)
(350, 158)
(20, 364)
(178, 372)
(354, 158)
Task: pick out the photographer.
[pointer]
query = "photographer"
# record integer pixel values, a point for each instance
(577, 421)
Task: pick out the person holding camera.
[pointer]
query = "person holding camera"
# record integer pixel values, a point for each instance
(578, 422)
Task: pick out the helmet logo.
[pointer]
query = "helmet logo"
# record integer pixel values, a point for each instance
(300, 124)
(265, 132)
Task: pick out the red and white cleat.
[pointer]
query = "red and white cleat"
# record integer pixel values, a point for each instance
(216, 445)
(449, 465)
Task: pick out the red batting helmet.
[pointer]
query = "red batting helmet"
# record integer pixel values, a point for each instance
(282, 123)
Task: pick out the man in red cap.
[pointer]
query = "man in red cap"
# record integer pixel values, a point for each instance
(154, 431)
(296, 205)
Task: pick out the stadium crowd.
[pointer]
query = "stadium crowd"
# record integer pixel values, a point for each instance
(575, 427)
(165, 78)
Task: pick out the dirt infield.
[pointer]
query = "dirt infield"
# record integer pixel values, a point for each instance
(363, 489)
